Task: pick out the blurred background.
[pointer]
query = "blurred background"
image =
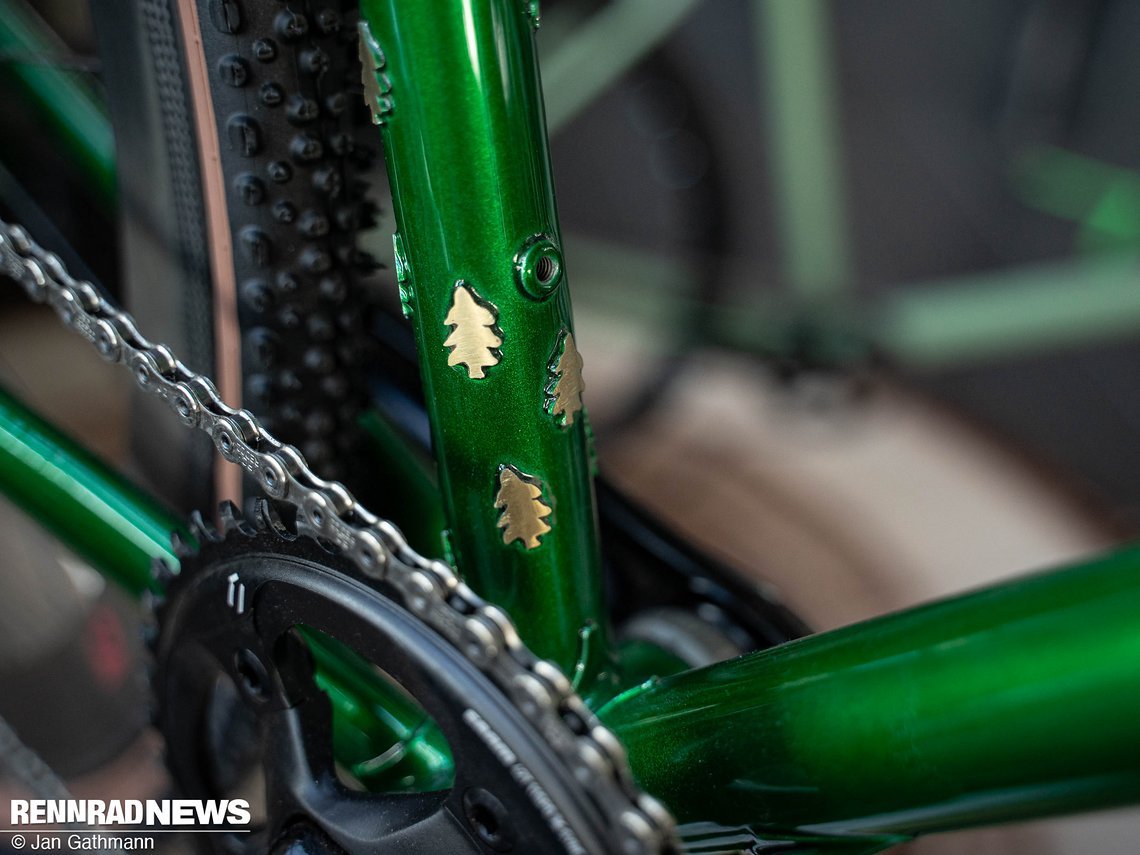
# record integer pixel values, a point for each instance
(855, 283)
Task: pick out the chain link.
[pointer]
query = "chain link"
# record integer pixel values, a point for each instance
(326, 510)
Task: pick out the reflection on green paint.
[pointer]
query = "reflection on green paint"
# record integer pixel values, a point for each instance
(1014, 701)
(465, 148)
(101, 516)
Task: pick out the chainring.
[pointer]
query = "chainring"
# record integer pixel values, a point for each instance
(524, 782)
(603, 803)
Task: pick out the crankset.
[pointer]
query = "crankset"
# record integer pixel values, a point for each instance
(229, 616)
(528, 773)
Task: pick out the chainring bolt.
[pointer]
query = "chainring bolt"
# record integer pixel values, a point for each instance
(252, 676)
(488, 818)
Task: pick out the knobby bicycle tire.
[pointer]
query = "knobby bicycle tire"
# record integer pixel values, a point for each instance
(241, 206)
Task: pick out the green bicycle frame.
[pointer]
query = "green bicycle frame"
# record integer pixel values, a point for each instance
(455, 90)
(1003, 704)
(1012, 702)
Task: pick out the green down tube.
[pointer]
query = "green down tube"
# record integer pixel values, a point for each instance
(105, 520)
(1015, 701)
(454, 87)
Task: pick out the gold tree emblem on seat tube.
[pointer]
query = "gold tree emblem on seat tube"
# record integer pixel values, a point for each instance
(474, 341)
(524, 512)
(377, 85)
(564, 391)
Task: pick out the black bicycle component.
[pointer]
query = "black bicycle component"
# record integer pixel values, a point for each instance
(648, 567)
(229, 621)
(280, 80)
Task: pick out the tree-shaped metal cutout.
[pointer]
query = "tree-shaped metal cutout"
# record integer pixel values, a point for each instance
(473, 340)
(524, 512)
(564, 391)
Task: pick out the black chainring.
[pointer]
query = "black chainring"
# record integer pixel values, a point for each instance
(229, 618)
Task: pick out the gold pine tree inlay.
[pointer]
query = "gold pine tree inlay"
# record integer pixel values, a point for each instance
(376, 85)
(473, 340)
(524, 513)
(564, 391)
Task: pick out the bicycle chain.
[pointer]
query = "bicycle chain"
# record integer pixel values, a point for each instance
(431, 589)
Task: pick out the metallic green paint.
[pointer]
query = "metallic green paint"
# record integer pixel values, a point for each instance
(642, 660)
(1014, 701)
(61, 97)
(105, 519)
(460, 113)
(1002, 704)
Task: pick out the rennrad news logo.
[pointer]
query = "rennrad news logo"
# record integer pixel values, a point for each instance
(223, 813)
